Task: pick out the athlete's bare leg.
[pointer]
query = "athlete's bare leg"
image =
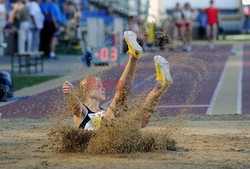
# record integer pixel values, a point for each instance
(127, 77)
(164, 80)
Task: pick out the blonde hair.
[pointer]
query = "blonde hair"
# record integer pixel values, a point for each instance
(83, 88)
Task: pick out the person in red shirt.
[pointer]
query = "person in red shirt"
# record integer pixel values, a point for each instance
(212, 23)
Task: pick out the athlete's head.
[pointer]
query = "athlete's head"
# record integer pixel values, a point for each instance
(92, 87)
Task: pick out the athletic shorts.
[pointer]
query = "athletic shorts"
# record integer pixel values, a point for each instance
(178, 25)
(187, 25)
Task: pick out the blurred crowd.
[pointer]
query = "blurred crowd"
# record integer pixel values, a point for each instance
(183, 17)
(39, 23)
(182, 28)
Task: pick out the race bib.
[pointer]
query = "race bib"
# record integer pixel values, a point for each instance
(96, 119)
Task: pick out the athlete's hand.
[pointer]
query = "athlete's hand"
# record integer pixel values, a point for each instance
(67, 87)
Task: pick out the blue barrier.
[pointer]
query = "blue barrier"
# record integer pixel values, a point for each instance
(97, 14)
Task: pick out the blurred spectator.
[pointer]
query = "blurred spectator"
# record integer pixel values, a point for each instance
(8, 5)
(55, 21)
(178, 24)
(69, 9)
(77, 2)
(36, 24)
(19, 17)
(44, 5)
(50, 31)
(212, 24)
(246, 21)
(202, 19)
(63, 5)
(188, 14)
(71, 28)
(2, 24)
(45, 35)
(85, 2)
(246, 24)
(135, 26)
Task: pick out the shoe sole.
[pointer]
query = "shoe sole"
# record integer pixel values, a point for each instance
(131, 37)
(164, 66)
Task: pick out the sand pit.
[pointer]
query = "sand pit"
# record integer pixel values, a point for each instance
(203, 142)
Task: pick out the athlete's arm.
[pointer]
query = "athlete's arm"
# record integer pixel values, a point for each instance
(73, 101)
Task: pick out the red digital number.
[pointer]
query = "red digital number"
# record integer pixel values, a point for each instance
(104, 54)
(114, 54)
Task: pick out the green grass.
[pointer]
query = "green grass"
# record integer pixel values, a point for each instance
(241, 37)
(27, 81)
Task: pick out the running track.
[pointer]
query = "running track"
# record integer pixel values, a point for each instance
(188, 94)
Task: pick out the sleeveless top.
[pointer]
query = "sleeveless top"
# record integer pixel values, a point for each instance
(92, 120)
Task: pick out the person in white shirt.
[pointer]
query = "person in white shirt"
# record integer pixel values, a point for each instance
(36, 24)
(178, 24)
(20, 13)
(188, 15)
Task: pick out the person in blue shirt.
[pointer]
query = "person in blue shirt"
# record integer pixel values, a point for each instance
(45, 36)
(202, 19)
(44, 5)
(55, 19)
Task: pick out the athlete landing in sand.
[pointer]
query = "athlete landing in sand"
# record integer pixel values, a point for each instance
(87, 113)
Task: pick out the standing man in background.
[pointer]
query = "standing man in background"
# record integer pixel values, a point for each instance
(44, 35)
(19, 16)
(36, 24)
(212, 24)
(55, 17)
(202, 19)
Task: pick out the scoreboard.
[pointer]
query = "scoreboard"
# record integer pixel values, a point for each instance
(106, 55)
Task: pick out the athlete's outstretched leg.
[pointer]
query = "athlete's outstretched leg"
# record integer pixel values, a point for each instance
(126, 79)
(164, 80)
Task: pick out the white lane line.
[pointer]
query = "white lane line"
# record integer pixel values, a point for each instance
(239, 98)
(216, 92)
(184, 106)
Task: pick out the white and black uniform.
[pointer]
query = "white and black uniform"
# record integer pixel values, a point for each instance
(92, 120)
